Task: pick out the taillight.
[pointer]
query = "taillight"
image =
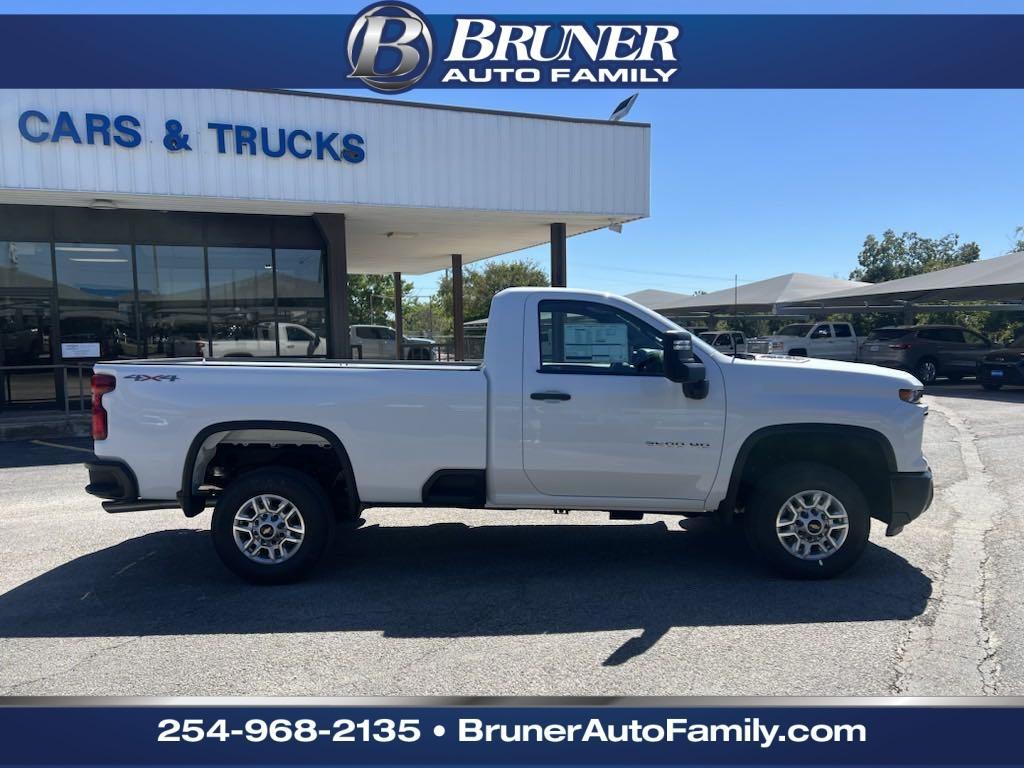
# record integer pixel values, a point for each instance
(899, 346)
(101, 384)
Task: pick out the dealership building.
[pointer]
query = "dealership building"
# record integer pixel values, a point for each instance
(139, 223)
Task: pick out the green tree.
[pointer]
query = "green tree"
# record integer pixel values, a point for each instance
(372, 299)
(480, 284)
(426, 317)
(1019, 233)
(896, 256)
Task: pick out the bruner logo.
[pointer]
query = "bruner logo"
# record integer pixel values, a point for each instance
(390, 47)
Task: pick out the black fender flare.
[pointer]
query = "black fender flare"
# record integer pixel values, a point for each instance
(831, 430)
(192, 504)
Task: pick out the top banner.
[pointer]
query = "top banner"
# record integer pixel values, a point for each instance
(393, 47)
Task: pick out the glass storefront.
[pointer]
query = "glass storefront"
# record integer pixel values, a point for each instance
(79, 285)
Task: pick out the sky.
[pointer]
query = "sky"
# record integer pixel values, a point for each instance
(752, 183)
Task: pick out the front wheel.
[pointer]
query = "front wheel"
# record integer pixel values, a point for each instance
(272, 525)
(808, 521)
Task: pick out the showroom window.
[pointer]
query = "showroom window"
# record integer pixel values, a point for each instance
(242, 302)
(96, 291)
(301, 290)
(172, 300)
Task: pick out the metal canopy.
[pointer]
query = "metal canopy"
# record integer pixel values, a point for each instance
(998, 279)
(761, 296)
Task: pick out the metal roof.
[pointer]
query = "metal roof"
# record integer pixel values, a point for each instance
(759, 296)
(997, 279)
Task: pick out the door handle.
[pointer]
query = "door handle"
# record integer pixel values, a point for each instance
(550, 396)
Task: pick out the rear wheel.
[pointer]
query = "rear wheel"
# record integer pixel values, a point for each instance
(808, 521)
(272, 525)
(926, 371)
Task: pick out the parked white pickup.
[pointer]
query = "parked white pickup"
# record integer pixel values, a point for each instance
(830, 341)
(584, 401)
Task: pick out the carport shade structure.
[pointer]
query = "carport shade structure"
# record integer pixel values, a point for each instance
(760, 297)
(1000, 279)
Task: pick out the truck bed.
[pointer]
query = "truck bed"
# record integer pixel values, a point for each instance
(400, 422)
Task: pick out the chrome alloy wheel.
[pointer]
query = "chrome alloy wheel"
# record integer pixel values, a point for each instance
(268, 529)
(812, 525)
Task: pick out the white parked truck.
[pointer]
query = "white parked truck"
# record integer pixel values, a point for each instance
(264, 340)
(584, 401)
(830, 341)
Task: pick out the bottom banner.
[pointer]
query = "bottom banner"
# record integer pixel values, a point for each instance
(169, 734)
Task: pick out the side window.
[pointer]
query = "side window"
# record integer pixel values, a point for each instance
(821, 332)
(723, 340)
(843, 330)
(586, 337)
(929, 334)
(977, 339)
(386, 333)
(737, 338)
(365, 333)
(951, 336)
(297, 334)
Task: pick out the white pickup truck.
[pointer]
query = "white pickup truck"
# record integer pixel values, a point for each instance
(830, 341)
(584, 401)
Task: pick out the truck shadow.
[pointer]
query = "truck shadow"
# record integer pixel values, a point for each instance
(452, 580)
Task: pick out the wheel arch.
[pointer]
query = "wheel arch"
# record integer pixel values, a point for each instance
(841, 440)
(192, 503)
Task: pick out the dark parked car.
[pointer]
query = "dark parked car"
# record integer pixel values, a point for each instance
(1003, 366)
(927, 351)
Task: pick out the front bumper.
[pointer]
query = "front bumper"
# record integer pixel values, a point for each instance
(912, 494)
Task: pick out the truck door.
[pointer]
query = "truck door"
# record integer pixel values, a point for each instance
(599, 418)
(820, 342)
(844, 341)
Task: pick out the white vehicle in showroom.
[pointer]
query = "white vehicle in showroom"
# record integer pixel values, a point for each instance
(584, 401)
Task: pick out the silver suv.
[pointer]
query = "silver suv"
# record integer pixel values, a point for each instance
(927, 351)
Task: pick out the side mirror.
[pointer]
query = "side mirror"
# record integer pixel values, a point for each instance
(681, 366)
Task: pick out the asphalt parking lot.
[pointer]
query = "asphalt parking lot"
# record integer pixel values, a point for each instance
(528, 603)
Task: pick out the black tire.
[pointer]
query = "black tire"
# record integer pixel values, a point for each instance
(766, 502)
(991, 386)
(308, 498)
(926, 370)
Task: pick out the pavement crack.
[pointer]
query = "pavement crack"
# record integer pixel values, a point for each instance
(92, 655)
(950, 648)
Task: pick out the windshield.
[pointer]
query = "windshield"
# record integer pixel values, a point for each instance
(795, 329)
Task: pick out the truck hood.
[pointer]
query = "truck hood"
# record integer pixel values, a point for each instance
(776, 337)
(841, 376)
(416, 340)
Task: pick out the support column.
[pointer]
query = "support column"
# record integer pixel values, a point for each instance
(458, 329)
(332, 229)
(399, 329)
(558, 269)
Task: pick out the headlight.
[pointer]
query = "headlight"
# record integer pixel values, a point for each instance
(911, 395)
